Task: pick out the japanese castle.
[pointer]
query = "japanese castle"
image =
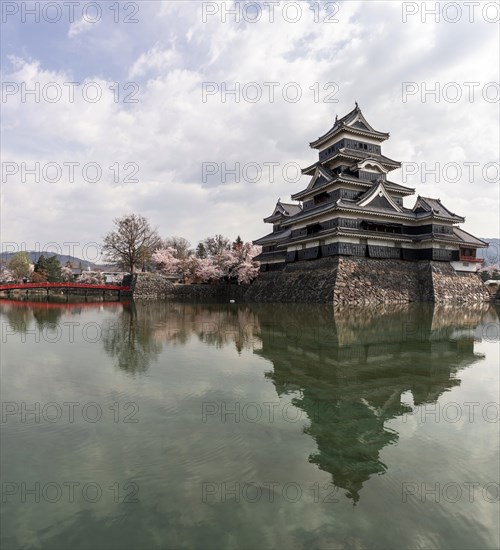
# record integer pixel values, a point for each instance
(351, 207)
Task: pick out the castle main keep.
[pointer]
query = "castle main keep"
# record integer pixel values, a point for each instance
(350, 213)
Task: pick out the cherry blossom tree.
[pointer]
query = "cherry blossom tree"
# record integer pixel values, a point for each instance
(7, 276)
(91, 278)
(181, 246)
(177, 259)
(66, 274)
(218, 250)
(208, 270)
(224, 262)
(190, 267)
(245, 269)
(215, 260)
(166, 261)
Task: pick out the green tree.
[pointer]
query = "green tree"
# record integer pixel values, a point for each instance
(20, 265)
(41, 268)
(489, 273)
(53, 270)
(238, 243)
(201, 251)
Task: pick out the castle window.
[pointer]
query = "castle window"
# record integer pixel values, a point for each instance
(347, 222)
(313, 228)
(321, 198)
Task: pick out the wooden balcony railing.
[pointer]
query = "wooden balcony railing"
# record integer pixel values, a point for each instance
(470, 259)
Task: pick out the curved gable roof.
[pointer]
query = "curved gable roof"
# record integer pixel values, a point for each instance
(355, 121)
(379, 196)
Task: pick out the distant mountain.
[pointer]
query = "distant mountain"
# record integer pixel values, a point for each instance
(491, 254)
(63, 259)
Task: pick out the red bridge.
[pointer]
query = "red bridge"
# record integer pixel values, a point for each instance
(62, 286)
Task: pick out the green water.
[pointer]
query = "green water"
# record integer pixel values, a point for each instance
(249, 426)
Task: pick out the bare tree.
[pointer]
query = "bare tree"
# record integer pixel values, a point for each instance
(216, 245)
(132, 242)
(181, 246)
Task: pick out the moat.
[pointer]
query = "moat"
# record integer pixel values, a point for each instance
(168, 425)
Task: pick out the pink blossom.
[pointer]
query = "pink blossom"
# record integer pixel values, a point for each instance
(166, 261)
(6, 276)
(208, 270)
(66, 274)
(91, 278)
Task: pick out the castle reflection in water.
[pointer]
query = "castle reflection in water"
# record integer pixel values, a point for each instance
(347, 369)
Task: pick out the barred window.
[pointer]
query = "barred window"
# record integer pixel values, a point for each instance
(346, 222)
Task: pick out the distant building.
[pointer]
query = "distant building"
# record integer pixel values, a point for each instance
(351, 207)
(76, 269)
(113, 277)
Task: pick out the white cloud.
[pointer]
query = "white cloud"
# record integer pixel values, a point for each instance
(171, 132)
(81, 26)
(156, 59)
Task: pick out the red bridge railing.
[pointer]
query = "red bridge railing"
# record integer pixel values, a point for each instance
(471, 259)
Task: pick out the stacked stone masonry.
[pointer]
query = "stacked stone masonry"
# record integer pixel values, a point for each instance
(449, 287)
(346, 280)
(153, 286)
(337, 280)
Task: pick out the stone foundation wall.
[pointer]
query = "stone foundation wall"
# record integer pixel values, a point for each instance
(372, 281)
(215, 293)
(336, 280)
(351, 280)
(153, 286)
(311, 282)
(150, 286)
(448, 286)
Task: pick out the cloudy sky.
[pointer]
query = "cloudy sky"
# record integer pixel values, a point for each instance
(150, 125)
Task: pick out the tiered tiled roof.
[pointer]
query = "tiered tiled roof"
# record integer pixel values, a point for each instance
(427, 204)
(349, 196)
(273, 237)
(467, 238)
(353, 122)
(350, 178)
(283, 210)
(390, 211)
(353, 154)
